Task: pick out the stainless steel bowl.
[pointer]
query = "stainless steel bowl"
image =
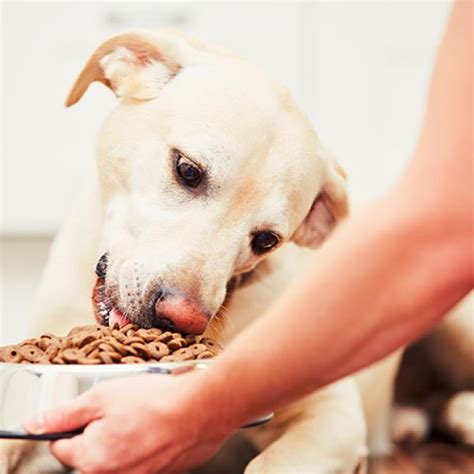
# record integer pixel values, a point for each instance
(26, 389)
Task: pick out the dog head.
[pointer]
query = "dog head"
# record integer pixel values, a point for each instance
(206, 167)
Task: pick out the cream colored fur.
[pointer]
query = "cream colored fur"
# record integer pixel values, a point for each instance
(269, 169)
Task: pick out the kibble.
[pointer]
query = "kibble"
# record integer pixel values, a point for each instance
(94, 345)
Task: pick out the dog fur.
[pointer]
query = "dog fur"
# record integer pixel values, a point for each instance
(270, 171)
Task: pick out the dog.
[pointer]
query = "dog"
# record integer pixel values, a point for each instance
(212, 192)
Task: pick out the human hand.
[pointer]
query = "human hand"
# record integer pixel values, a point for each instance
(142, 424)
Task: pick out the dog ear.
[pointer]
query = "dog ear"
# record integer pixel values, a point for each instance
(133, 65)
(328, 208)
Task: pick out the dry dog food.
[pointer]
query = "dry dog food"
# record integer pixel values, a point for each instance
(93, 345)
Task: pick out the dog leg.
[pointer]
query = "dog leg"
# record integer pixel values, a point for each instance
(410, 425)
(323, 433)
(63, 297)
(19, 457)
(457, 417)
(450, 346)
(376, 385)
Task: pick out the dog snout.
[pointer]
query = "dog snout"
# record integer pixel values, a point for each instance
(177, 312)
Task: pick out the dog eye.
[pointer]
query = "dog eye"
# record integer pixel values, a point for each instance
(189, 173)
(263, 242)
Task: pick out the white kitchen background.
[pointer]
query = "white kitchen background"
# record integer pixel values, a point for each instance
(359, 69)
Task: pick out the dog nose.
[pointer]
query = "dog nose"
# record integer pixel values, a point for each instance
(175, 311)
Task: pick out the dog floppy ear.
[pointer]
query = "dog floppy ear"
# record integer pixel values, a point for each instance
(328, 208)
(133, 65)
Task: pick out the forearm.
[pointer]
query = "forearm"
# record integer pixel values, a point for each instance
(361, 299)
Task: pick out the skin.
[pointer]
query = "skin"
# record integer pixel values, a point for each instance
(417, 263)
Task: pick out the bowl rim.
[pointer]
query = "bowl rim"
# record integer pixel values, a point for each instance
(157, 367)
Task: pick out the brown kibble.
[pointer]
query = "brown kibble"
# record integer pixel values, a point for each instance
(126, 328)
(115, 356)
(176, 344)
(145, 335)
(94, 345)
(28, 342)
(184, 354)
(197, 349)
(83, 339)
(105, 358)
(52, 351)
(205, 355)
(170, 358)
(165, 337)
(94, 354)
(212, 345)
(131, 351)
(89, 361)
(106, 347)
(71, 356)
(142, 350)
(190, 339)
(117, 346)
(82, 329)
(43, 343)
(12, 355)
(119, 336)
(30, 353)
(66, 343)
(130, 340)
(158, 349)
(132, 360)
(88, 348)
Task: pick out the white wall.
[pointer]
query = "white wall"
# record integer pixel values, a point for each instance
(359, 69)
(22, 260)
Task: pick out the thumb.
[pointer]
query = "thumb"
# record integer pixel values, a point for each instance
(65, 417)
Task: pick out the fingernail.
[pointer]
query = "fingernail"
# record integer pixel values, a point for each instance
(35, 425)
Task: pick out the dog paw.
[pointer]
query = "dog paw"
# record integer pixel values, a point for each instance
(410, 425)
(458, 417)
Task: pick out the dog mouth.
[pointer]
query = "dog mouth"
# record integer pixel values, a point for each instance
(105, 312)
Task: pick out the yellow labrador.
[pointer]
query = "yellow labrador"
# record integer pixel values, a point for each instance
(212, 187)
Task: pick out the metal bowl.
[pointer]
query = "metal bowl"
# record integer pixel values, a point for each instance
(26, 389)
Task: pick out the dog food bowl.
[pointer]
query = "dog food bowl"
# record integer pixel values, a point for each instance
(26, 389)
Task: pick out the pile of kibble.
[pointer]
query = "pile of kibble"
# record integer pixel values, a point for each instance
(91, 345)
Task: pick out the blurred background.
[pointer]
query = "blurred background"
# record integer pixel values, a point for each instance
(359, 69)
